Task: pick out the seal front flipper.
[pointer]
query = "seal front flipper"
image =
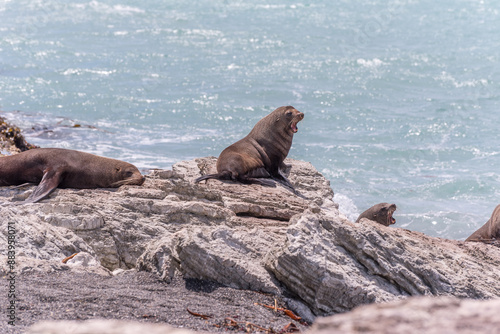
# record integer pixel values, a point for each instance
(50, 180)
(284, 181)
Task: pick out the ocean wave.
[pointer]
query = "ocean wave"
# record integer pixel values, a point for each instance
(109, 9)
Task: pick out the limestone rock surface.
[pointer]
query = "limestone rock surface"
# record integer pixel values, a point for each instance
(430, 315)
(335, 265)
(443, 315)
(102, 327)
(243, 236)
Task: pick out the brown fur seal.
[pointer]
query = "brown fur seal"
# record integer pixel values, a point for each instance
(381, 213)
(489, 232)
(60, 168)
(262, 152)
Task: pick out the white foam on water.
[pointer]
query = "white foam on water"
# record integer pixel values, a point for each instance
(347, 206)
(374, 63)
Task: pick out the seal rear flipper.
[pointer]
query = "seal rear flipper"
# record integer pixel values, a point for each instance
(50, 180)
(206, 177)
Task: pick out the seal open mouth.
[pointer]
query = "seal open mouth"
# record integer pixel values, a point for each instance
(294, 127)
(390, 219)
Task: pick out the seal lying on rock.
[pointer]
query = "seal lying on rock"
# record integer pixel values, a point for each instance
(489, 232)
(262, 152)
(60, 168)
(381, 213)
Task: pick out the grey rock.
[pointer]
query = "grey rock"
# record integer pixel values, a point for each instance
(24, 265)
(442, 315)
(103, 327)
(335, 265)
(244, 236)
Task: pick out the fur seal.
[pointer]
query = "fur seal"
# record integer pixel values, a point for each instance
(381, 213)
(262, 152)
(489, 232)
(53, 168)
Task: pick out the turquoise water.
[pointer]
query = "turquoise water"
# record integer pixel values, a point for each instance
(400, 98)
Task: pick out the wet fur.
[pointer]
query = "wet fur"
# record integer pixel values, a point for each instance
(53, 168)
(259, 156)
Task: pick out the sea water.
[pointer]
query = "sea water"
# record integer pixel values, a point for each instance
(400, 98)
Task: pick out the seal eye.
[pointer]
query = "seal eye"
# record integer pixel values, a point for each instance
(118, 169)
(129, 174)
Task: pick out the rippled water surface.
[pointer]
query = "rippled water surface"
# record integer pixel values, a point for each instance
(400, 98)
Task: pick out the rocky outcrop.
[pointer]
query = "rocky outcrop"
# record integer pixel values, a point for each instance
(335, 265)
(416, 315)
(244, 236)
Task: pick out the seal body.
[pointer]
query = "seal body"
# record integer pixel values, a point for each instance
(261, 153)
(53, 168)
(490, 231)
(381, 213)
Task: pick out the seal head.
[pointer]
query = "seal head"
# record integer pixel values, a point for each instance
(261, 153)
(381, 213)
(490, 231)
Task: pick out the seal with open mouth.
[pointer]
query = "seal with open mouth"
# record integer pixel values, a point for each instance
(261, 153)
(490, 231)
(381, 213)
(53, 168)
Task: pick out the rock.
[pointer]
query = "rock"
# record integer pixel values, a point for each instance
(412, 315)
(11, 139)
(82, 259)
(27, 265)
(416, 315)
(218, 231)
(335, 265)
(247, 237)
(103, 327)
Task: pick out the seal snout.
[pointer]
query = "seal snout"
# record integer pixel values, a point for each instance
(137, 179)
(140, 180)
(128, 175)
